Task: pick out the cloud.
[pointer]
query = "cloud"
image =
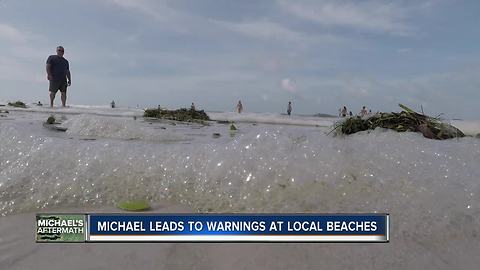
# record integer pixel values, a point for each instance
(20, 51)
(13, 70)
(326, 53)
(453, 93)
(188, 22)
(404, 50)
(289, 85)
(11, 34)
(271, 31)
(370, 16)
(263, 30)
(157, 10)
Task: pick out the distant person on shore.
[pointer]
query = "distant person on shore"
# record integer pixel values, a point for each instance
(363, 112)
(39, 104)
(343, 112)
(192, 108)
(58, 71)
(239, 107)
(112, 104)
(289, 108)
(350, 113)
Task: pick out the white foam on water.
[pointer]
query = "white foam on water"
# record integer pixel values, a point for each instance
(430, 188)
(267, 118)
(117, 128)
(272, 118)
(469, 127)
(259, 164)
(80, 109)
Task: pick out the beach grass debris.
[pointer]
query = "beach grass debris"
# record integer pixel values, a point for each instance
(51, 120)
(182, 115)
(406, 120)
(134, 205)
(233, 127)
(18, 104)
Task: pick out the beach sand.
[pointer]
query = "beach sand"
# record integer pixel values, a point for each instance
(18, 250)
(430, 188)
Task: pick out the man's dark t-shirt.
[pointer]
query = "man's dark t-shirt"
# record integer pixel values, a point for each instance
(59, 68)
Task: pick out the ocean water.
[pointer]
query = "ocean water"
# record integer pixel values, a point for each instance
(273, 163)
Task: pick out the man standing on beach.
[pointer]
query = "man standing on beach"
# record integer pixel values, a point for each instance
(58, 72)
(289, 108)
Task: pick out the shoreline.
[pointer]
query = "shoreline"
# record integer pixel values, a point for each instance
(429, 188)
(469, 127)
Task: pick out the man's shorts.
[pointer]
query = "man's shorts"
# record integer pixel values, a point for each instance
(58, 85)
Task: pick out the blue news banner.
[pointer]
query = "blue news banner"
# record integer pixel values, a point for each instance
(237, 228)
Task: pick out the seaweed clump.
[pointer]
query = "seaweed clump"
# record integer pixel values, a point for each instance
(18, 104)
(183, 115)
(406, 120)
(51, 120)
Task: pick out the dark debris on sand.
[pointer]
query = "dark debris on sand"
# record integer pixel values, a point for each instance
(183, 115)
(18, 104)
(51, 120)
(406, 120)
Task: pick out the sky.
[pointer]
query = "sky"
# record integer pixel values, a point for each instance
(318, 54)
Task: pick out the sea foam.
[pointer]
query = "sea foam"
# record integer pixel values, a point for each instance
(430, 188)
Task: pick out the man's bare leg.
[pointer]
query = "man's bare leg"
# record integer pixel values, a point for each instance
(64, 98)
(52, 98)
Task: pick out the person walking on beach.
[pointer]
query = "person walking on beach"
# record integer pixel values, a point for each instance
(192, 108)
(289, 108)
(58, 71)
(239, 107)
(343, 112)
(363, 112)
